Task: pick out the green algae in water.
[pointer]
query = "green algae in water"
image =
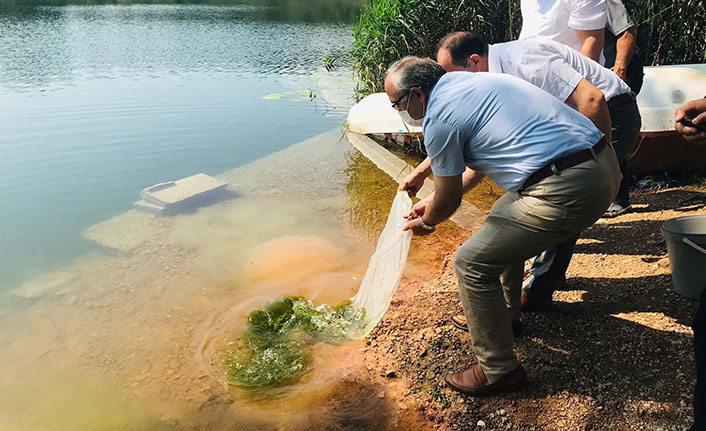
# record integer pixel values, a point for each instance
(273, 96)
(279, 339)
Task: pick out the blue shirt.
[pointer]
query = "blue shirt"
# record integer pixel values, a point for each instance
(499, 125)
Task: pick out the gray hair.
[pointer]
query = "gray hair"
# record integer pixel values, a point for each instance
(413, 71)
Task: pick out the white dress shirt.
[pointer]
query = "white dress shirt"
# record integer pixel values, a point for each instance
(553, 67)
(559, 19)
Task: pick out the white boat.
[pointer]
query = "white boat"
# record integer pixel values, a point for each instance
(665, 88)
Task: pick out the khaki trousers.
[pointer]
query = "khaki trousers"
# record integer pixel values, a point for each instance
(489, 266)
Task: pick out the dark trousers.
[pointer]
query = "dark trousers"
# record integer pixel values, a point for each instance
(623, 198)
(699, 327)
(626, 122)
(550, 266)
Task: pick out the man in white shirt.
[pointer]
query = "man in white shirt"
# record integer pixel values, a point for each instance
(578, 24)
(573, 79)
(558, 171)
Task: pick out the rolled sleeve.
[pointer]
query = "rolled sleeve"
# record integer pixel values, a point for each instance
(617, 18)
(560, 78)
(588, 15)
(445, 144)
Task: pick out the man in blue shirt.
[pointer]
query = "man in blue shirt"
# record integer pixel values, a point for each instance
(559, 173)
(580, 82)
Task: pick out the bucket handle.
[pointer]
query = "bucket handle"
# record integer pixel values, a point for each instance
(688, 242)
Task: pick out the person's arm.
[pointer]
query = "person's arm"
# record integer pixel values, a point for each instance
(696, 112)
(624, 50)
(447, 198)
(588, 19)
(470, 180)
(590, 101)
(592, 42)
(414, 181)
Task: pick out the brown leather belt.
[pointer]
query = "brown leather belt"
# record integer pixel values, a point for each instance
(620, 99)
(563, 163)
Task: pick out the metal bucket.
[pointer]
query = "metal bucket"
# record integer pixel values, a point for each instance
(686, 245)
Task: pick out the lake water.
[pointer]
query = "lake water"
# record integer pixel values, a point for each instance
(117, 320)
(98, 102)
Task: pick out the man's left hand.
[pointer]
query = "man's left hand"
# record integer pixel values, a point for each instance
(416, 227)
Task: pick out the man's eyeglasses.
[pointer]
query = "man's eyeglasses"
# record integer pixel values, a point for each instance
(395, 105)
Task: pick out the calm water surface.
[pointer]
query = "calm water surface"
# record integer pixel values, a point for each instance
(116, 320)
(98, 102)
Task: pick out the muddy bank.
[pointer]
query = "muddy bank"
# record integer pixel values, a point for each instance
(616, 353)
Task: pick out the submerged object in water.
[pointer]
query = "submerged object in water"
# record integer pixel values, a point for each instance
(176, 196)
(279, 337)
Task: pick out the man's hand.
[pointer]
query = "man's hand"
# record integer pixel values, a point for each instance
(621, 71)
(624, 50)
(444, 201)
(415, 226)
(412, 183)
(420, 207)
(696, 112)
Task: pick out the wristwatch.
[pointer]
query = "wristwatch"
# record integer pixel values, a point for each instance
(425, 225)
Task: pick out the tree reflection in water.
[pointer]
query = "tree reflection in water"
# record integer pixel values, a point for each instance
(370, 193)
(344, 11)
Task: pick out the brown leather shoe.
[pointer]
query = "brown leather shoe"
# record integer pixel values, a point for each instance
(460, 322)
(474, 382)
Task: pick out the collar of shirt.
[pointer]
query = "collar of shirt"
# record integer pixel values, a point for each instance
(494, 60)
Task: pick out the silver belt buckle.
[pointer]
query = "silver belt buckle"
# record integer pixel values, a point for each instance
(556, 171)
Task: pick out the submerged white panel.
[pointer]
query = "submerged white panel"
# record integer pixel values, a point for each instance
(386, 265)
(174, 192)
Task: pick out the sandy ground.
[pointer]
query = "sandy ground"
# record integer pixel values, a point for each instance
(615, 354)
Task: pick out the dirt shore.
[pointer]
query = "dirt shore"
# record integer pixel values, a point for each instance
(615, 354)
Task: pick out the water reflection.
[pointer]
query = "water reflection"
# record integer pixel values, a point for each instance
(345, 11)
(368, 191)
(51, 44)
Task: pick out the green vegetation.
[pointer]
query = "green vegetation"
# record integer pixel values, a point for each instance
(390, 29)
(278, 342)
(669, 31)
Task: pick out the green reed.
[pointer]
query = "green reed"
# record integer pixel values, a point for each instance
(669, 31)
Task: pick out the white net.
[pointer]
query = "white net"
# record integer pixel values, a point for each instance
(386, 265)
